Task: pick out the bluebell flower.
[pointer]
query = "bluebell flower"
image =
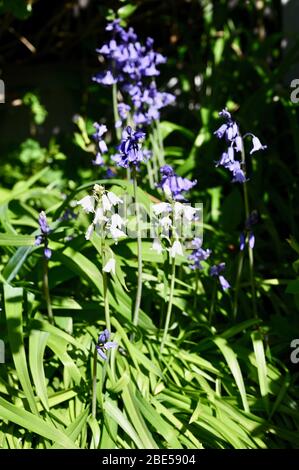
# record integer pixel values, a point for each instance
(43, 237)
(230, 131)
(215, 271)
(174, 185)
(123, 111)
(248, 231)
(104, 344)
(101, 129)
(133, 67)
(130, 151)
(198, 254)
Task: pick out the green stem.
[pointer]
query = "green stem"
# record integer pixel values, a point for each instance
(115, 111)
(161, 155)
(94, 383)
(116, 118)
(213, 301)
(105, 289)
(169, 308)
(139, 254)
(250, 250)
(195, 290)
(47, 290)
(150, 174)
(237, 286)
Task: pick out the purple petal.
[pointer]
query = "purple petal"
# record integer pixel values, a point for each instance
(251, 240)
(224, 283)
(101, 353)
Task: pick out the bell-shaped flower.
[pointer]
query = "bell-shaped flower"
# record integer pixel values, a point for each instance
(114, 200)
(176, 249)
(157, 246)
(110, 266)
(256, 145)
(87, 203)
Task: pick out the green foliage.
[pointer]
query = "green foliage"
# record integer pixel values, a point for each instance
(225, 383)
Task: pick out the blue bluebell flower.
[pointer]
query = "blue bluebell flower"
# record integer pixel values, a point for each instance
(133, 67)
(174, 185)
(230, 131)
(43, 237)
(248, 234)
(198, 254)
(104, 344)
(215, 271)
(101, 129)
(130, 151)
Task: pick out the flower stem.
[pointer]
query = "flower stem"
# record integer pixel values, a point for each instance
(47, 291)
(116, 119)
(195, 290)
(139, 254)
(161, 154)
(213, 300)
(115, 110)
(94, 383)
(237, 286)
(105, 289)
(250, 250)
(169, 308)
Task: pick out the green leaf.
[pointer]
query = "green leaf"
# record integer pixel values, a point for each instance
(13, 311)
(34, 424)
(16, 240)
(168, 127)
(233, 364)
(16, 262)
(37, 344)
(126, 11)
(259, 352)
(119, 417)
(131, 406)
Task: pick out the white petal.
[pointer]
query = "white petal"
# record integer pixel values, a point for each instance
(89, 232)
(189, 212)
(87, 203)
(114, 199)
(99, 216)
(178, 209)
(176, 249)
(156, 246)
(117, 221)
(110, 266)
(161, 207)
(106, 203)
(165, 222)
(116, 233)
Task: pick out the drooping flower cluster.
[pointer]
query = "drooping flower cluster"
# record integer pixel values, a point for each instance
(248, 232)
(174, 185)
(198, 254)
(101, 129)
(42, 238)
(130, 151)
(215, 271)
(133, 67)
(171, 220)
(104, 344)
(105, 222)
(230, 131)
